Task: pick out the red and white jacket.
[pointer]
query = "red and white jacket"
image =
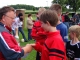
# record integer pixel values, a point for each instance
(9, 49)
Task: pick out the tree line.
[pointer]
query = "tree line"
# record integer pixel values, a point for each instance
(27, 7)
(73, 5)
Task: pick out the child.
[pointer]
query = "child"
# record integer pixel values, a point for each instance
(60, 26)
(73, 46)
(38, 32)
(53, 48)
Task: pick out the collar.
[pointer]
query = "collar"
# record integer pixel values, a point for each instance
(2, 24)
(53, 33)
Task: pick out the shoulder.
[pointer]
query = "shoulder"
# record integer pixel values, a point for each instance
(28, 18)
(61, 26)
(3, 29)
(37, 23)
(16, 18)
(68, 44)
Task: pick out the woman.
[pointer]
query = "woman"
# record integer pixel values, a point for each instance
(20, 15)
(29, 26)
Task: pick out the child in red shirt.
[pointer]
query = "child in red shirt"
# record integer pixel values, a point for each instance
(38, 32)
(53, 48)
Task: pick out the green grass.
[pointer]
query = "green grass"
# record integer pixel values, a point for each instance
(31, 11)
(31, 55)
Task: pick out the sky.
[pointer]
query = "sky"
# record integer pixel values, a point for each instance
(36, 3)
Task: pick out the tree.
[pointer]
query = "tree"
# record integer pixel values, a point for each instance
(74, 4)
(33, 8)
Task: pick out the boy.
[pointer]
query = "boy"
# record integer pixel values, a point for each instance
(53, 48)
(73, 46)
(60, 26)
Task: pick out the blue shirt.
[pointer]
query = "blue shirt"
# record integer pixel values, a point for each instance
(63, 31)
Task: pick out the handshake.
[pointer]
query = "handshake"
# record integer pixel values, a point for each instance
(28, 48)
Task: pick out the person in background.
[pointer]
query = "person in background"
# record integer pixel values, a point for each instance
(76, 18)
(29, 26)
(37, 18)
(9, 48)
(67, 20)
(63, 17)
(20, 29)
(60, 26)
(53, 48)
(15, 29)
(38, 33)
(73, 46)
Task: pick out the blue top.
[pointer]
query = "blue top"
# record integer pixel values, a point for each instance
(63, 31)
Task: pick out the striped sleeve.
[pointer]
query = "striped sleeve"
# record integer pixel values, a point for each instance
(9, 46)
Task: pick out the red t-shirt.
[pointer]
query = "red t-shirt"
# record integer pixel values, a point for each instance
(53, 49)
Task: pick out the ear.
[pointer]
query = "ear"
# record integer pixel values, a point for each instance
(3, 18)
(75, 34)
(48, 23)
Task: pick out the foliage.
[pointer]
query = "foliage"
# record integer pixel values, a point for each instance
(23, 6)
(73, 4)
(27, 7)
(33, 9)
(33, 12)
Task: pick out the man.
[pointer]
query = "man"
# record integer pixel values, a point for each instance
(9, 48)
(60, 26)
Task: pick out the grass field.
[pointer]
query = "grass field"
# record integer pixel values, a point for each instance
(32, 55)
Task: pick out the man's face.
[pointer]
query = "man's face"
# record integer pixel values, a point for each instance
(8, 18)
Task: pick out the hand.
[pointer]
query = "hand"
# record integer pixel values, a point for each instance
(27, 48)
(32, 45)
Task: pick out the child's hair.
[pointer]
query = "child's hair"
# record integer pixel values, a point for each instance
(50, 16)
(41, 10)
(20, 14)
(75, 29)
(56, 7)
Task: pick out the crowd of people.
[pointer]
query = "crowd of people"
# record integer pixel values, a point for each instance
(55, 38)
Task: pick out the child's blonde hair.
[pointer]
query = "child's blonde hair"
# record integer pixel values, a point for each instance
(75, 29)
(41, 10)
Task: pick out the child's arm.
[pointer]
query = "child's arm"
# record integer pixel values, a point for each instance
(37, 46)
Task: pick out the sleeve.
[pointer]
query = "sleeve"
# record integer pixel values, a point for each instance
(38, 47)
(9, 47)
(34, 33)
(37, 32)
